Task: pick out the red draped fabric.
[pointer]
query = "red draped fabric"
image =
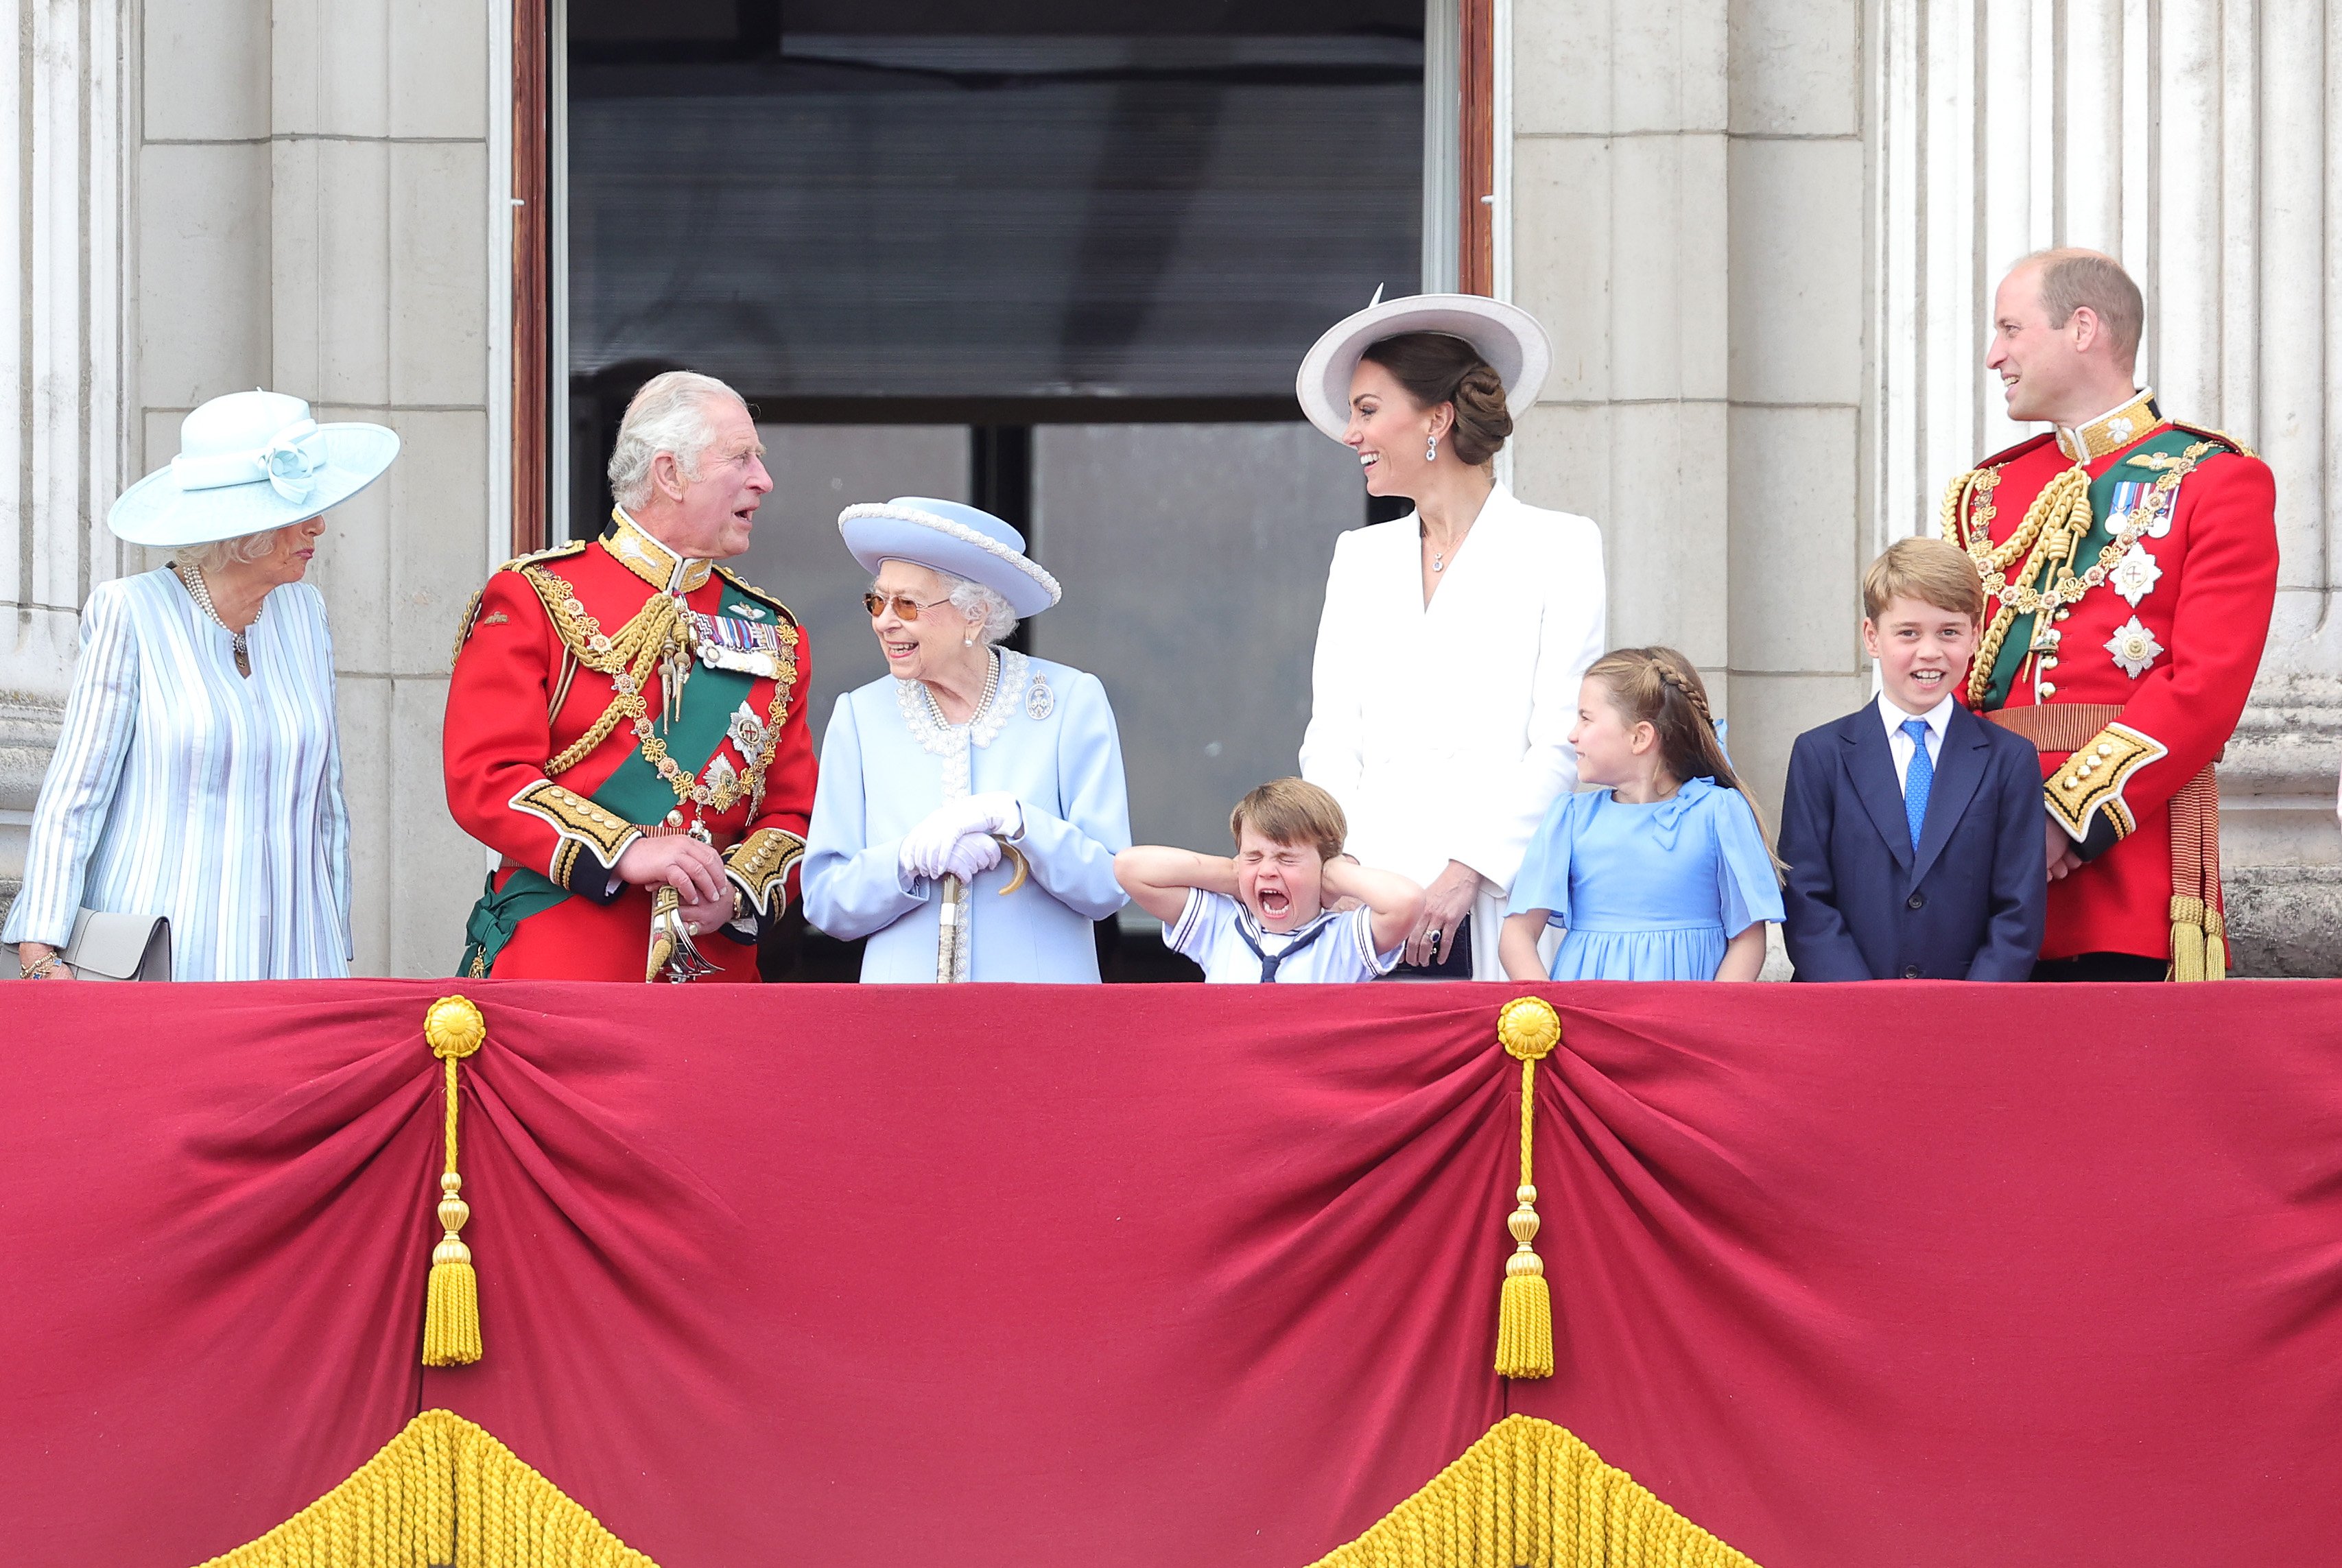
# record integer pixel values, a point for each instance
(1911, 1273)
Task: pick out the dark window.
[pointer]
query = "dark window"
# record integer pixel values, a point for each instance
(1059, 259)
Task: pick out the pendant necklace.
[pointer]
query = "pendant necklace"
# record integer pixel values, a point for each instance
(194, 579)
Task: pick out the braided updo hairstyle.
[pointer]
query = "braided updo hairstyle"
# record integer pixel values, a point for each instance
(1661, 688)
(1435, 368)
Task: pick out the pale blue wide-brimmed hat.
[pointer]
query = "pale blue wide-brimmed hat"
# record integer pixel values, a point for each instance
(947, 537)
(248, 462)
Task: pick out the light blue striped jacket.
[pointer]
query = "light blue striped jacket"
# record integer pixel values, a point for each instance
(180, 788)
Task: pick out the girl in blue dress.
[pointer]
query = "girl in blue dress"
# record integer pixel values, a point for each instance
(1662, 874)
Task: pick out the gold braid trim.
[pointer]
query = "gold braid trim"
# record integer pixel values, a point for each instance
(442, 1490)
(2058, 520)
(1531, 1491)
(578, 821)
(2061, 539)
(760, 865)
(656, 630)
(2093, 779)
(625, 659)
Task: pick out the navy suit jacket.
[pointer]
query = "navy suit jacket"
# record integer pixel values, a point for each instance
(1863, 904)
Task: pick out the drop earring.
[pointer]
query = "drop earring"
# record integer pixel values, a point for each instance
(1431, 450)
(968, 642)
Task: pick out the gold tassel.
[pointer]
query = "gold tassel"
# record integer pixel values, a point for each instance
(451, 1312)
(1529, 1029)
(2215, 945)
(2188, 954)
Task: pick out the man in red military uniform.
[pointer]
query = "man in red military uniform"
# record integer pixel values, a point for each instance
(625, 724)
(2129, 566)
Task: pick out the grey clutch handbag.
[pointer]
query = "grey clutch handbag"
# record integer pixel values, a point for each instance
(119, 946)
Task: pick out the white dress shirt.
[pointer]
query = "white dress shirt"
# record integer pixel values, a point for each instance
(1939, 719)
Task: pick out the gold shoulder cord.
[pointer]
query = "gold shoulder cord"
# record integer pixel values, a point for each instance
(2055, 528)
(626, 659)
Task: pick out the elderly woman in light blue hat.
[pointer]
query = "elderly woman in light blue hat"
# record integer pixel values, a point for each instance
(971, 801)
(198, 777)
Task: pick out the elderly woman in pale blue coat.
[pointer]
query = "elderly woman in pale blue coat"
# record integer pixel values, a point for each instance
(199, 775)
(965, 759)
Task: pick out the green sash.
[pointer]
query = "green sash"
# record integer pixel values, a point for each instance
(2019, 640)
(634, 790)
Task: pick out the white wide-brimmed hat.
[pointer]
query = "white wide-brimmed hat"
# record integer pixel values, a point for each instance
(949, 537)
(248, 462)
(1506, 335)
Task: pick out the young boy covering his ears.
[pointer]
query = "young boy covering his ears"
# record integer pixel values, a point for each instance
(1265, 915)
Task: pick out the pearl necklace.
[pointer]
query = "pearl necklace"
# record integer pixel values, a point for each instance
(193, 578)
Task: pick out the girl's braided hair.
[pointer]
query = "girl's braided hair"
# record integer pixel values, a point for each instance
(1659, 687)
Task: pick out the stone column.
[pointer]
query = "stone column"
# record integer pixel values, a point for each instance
(2200, 141)
(1687, 220)
(61, 369)
(377, 256)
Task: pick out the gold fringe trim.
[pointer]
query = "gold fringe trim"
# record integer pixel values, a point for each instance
(451, 1310)
(442, 1491)
(1529, 1029)
(1530, 1493)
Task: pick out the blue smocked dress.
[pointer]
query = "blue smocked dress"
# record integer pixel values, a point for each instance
(1648, 892)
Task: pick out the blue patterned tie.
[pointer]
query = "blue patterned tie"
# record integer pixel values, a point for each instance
(1917, 779)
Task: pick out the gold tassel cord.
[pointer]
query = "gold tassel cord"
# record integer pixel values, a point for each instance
(451, 1315)
(442, 1491)
(1529, 1029)
(1531, 1491)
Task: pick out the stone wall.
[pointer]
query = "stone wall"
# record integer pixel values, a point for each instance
(297, 197)
(1687, 219)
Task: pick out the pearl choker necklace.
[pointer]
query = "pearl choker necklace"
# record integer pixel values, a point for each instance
(192, 575)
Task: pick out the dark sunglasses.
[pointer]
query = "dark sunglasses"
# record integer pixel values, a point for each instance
(906, 607)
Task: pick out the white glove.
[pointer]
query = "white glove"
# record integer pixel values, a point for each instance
(926, 846)
(996, 812)
(975, 852)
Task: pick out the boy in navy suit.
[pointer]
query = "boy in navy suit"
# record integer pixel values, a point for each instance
(1913, 830)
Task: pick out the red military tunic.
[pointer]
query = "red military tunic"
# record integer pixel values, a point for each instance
(2160, 611)
(547, 765)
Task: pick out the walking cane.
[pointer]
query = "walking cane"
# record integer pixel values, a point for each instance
(951, 915)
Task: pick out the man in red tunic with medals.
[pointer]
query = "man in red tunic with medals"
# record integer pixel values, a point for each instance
(625, 725)
(2129, 566)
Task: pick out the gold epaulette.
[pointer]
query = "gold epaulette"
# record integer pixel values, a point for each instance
(759, 595)
(2221, 436)
(552, 553)
(472, 610)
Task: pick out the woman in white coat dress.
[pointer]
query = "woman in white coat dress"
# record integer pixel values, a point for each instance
(1454, 639)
